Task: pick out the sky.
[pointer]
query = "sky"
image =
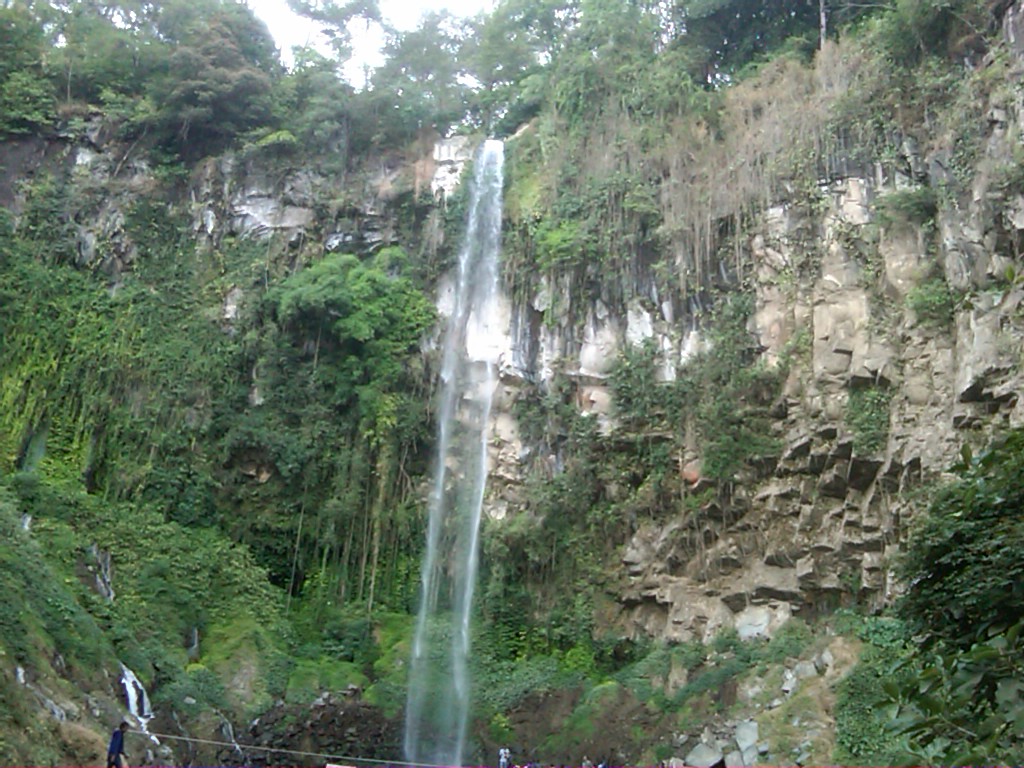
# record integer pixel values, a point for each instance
(289, 29)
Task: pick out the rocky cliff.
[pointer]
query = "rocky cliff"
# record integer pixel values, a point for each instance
(894, 301)
(890, 293)
(891, 297)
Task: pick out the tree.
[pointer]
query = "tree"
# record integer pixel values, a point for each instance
(355, 329)
(97, 55)
(365, 321)
(963, 561)
(317, 105)
(337, 19)
(26, 94)
(965, 602)
(505, 54)
(964, 707)
(731, 33)
(218, 82)
(419, 82)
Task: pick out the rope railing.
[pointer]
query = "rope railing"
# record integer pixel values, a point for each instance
(349, 760)
(281, 750)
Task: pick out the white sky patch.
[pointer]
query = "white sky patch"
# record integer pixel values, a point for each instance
(290, 29)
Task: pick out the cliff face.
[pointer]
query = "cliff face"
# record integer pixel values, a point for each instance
(893, 305)
(893, 301)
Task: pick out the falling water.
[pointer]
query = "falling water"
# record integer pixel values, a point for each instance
(138, 701)
(136, 697)
(437, 710)
(138, 705)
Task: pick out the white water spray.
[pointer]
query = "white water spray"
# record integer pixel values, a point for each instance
(437, 710)
(137, 701)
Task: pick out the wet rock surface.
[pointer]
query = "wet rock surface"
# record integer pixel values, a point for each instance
(332, 728)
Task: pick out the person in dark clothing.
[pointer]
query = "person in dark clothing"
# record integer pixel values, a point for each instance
(116, 758)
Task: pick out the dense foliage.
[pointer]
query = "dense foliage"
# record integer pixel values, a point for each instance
(965, 603)
(943, 683)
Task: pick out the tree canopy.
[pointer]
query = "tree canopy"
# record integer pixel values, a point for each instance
(205, 73)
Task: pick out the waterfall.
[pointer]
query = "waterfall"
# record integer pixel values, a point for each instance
(136, 697)
(104, 573)
(138, 705)
(437, 709)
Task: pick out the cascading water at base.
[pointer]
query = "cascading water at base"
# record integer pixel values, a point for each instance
(437, 709)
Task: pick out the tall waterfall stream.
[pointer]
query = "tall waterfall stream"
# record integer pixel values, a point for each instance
(437, 710)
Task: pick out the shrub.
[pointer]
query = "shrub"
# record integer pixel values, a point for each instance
(960, 698)
(912, 206)
(26, 103)
(863, 735)
(963, 560)
(932, 303)
(867, 416)
(788, 642)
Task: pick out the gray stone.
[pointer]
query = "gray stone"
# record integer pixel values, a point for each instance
(804, 669)
(789, 681)
(450, 156)
(798, 448)
(823, 661)
(337, 240)
(862, 472)
(805, 570)
(750, 756)
(229, 311)
(746, 735)
(833, 483)
(259, 216)
(85, 242)
(703, 756)
(735, 758)
(753, 622)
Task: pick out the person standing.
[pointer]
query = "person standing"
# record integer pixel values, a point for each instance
(116, 757)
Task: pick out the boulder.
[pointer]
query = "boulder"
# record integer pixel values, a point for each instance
(747, 735)
(804, 669)
(705, 756)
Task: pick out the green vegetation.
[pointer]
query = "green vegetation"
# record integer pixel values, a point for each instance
(722, 393)
(32, 596)
(863, 735)
(908, 206)
(867, 415)
(943, 683)
(961, 558)
(128, 430)
(932, 303)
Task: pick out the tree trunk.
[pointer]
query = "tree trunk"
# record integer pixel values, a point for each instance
(375, 515)
(822, 25)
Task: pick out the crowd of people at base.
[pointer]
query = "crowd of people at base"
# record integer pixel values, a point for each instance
(505, 761)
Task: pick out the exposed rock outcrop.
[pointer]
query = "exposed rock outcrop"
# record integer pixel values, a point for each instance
(821, 528)
(834, 285)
